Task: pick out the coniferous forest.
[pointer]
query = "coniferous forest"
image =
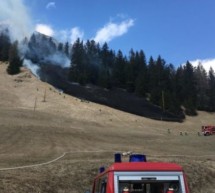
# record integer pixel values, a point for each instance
(174, 89)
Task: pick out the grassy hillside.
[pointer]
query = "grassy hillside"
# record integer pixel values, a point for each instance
(62, 141)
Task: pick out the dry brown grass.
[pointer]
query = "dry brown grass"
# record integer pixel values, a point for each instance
(90, 134)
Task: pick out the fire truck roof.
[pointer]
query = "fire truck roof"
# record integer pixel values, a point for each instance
(144, 166)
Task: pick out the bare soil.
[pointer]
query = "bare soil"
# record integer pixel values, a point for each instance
(51, 142)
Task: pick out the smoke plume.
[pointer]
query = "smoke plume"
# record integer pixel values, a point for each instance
(14, 14)
(41, 50)
(33, 67)
(58, 59)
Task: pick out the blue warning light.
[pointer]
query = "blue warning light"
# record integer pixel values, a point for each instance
(117, 158)
(101, 169)
(137, 158)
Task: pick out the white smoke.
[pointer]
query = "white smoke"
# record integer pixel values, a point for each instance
(75, 34)
(59, 59)
(15, 15)
(33, 67)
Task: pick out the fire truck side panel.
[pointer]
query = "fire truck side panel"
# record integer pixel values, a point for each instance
(111, 185)
(186, 184)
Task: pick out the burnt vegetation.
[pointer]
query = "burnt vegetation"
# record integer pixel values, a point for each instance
(151, 88)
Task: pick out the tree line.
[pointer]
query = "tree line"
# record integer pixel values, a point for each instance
(185, 88)
(161, 83)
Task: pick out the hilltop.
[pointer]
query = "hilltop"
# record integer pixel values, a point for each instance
(39, 123)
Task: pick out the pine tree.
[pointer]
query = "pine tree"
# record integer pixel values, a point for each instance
(66, 49)
(130, 72)
(172, 103)
(14, 60)
(93, 60)
(79, 67)
(157, 80)
(141, 82)
(104, 69)
(119, 77)
(202, 87)
(189, 89)
(4, 46)
(211, 91)
(151, 72)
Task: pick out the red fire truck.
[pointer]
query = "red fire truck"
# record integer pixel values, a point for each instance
(140, 176)
(208, 130)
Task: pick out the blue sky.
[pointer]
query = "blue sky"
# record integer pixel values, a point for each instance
(178, 30)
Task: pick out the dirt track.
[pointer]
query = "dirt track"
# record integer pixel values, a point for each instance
(64, 124)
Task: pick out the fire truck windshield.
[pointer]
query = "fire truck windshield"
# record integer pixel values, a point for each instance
(149, 184)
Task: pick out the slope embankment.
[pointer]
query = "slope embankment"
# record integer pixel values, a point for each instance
(53, 142)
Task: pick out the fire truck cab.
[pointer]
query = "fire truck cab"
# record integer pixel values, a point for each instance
(208, 130)
(139, 176)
